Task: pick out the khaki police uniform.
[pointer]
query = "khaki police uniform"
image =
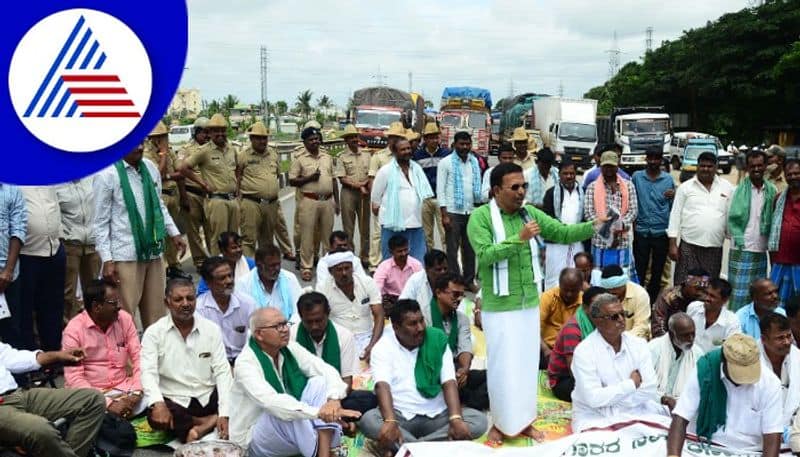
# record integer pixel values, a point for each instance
(354, 204)
(170, 197)
(298, 195)
(316, 208)
(376, 162)
(258, 206)
(218, 167)
(529, 161)
(194, 220)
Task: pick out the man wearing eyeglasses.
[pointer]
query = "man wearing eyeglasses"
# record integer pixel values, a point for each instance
(677, 299)
(614, 376)
(287, 400)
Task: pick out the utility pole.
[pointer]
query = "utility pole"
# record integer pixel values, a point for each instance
(613, 57)
(561, 89)
(379, 77)
(410, 79)
(264, 103)
(510, 87)
(649, 40)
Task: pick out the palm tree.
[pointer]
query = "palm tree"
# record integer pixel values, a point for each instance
(229, 102)
(303, 103)
(324, 102)
(212, 108)
(281, 107)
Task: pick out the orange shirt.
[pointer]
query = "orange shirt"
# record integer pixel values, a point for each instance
(554, 313)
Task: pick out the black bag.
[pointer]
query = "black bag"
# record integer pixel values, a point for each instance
(116, 437)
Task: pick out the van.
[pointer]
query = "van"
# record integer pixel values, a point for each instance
(181, 134)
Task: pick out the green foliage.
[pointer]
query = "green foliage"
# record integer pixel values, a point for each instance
(281, 107)
(303, 103)
(734, 76)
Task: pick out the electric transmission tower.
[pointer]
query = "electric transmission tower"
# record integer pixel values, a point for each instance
(379, 77)
(264, 62)
(613, 57)
(561, 88)
(649, 40)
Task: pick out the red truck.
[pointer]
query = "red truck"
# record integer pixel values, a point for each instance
(466, 109)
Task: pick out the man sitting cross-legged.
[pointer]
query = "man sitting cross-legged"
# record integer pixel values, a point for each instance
(287, 400)
(416, 386)
(674, 357)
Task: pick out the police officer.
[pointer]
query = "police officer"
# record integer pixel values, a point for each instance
(352, 169)
(312, 173)
(257, 171)
(380, 158)
(298, 195)
(216, 161)
(193, 210)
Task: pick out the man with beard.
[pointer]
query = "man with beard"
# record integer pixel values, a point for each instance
(269, 285)
(780, 354)
(563, 201)
(674, 357)
(226, 308)
(352, 169)
(784, 237)
(519, 140)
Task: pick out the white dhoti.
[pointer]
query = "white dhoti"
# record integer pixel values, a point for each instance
(362, 341)
(512, 372)
(558, 257)
(273, 437)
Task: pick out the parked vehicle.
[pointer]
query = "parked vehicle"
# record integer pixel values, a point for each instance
(180, 134)
(681, 139)
(466, 109)
(568, 127)
(695, 147)
(638, 128)
(377, 107)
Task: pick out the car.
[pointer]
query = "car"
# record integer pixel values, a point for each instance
(692, 151)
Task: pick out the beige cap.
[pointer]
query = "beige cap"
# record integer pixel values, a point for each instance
(349, 130)
(519, 135)
(217, 121)
(411, 135)
(160, 129)
(776, 150)
(609, 158)
(201, 122)
(742, 358)
(430, 129)
(312, 123)
(258, 129)
(396, 129)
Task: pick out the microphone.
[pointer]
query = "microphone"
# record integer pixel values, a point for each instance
(523, 213)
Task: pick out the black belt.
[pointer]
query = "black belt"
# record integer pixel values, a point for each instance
(195, 191)
(170, 192)
(221, 196)
(260, 200)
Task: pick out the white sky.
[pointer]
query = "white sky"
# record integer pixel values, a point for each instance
(334, 47)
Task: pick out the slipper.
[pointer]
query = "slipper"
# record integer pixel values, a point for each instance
(493, 444)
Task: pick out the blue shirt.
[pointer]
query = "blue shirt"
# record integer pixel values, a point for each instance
(654, 208)
(748, 319)
(13, 221)
(202, 287)
(591, 175)
(430, 163)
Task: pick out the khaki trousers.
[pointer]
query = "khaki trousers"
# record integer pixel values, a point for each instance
(356, 206)
(193, 221)
(141, 286)
(298, 236)
(282, 232)
(257, 224)
(222, 216)
(316, 220)
(432, 216)
(170, 251)
(26, 416)
(84, 263)
(375, 256)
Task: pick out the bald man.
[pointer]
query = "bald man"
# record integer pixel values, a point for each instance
(674, 357)
(556, 306)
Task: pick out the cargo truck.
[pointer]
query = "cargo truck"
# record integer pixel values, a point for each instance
(568, 127)
(466, 109)
(377, 107)
(637, 129)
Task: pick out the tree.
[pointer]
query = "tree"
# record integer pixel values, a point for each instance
(211, 109)
(428, 104)
(303, 103)
(324, 102)
(229, 102)
(281, 107)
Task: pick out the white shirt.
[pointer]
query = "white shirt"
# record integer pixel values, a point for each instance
(790, 397)
(486, 184)
(394, 364)
(712, 337)
(112, 228)
(700, 216)
(233, 323)
(245, 284)
(355, 315)
(44, 221)
(754, 241)
(445, 184)
(77, 209)
(348, 354)
(570, 206)
(184, 369)
(417, 288)
(603, 385)
(752, 410)
(15, 361)
(252, 395)
(323, 272)
(410, 205)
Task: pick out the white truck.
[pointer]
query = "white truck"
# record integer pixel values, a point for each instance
(637, 129)
(568, 126)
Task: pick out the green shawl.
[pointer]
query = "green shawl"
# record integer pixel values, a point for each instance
(584, 322)
(294, 379)
(739, 212)
(711, 414)
(331, 353)
(428, 369)
(438, 322)
(777, 222)
(148, 235)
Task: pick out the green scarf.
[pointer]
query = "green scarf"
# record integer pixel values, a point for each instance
(711, 414)
(584, 322)
(294, 379)
(739, 212)
(438, 322)
(330, 347)
(148, 235)
(428, 369)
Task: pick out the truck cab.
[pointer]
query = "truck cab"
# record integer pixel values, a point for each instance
(636, 130)
(372, 123)
(477, 123)
(568, 127)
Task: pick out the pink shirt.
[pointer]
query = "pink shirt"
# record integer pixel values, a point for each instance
(390, 279)
(107, 354)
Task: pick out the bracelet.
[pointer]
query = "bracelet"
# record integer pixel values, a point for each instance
(454, 417)
(390, 420)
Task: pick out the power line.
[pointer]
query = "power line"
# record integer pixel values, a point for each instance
(613, 57)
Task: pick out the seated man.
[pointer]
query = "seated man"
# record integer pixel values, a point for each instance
(634, 298)
(448, 290)
(765, 301)
(230, 247)
(107, 335)
(334, 344)
(556, 306)
(419, 286)
(780, 354)
(713, 321)
(287, 401)
(355, 301)
(792, 308)
(221, 305)
(614, 376)
(340, 242)
(393, 273)
(577, 328)
(732, 400)
(185, 374)
(269, 285)
(677, 298)
(585, 264)
(416, 404)
(26, 414)
(674, 358)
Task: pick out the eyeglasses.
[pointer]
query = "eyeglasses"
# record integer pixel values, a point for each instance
(456, 293)
(516, 187)
(285, 325)
(613, 317)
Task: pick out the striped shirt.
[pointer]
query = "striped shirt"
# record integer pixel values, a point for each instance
(566, 342)
(430, 162)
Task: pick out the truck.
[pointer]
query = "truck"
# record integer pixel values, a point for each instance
(377, 107)
(637, 129)
(517, 113)
(568, 127)
(466, 109)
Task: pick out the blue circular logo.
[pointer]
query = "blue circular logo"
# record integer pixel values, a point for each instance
(86, 84)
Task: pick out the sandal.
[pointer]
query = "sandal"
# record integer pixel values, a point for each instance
(493, 444)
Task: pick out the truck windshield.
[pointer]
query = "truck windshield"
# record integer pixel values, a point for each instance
(179, 130)
(577, 132)
(477, 121)
(453, 120)
(377, 119)
(645, 126)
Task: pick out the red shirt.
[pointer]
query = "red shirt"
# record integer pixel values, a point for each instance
(789, 247)
(566, 342)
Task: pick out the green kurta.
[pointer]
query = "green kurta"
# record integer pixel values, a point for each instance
(522, 291)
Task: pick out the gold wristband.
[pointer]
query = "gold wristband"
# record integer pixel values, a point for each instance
(390, 420)
(454, 417)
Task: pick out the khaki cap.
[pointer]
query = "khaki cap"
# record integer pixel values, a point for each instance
(349, 130)
(258, 129)
(201, 122)
(609, 158)
(431, 129)
(312, 123)
(160, 129)
(743, 359)
(776, 150)
(412, 135)
(217, 121)
(396, 129)
(519, 135)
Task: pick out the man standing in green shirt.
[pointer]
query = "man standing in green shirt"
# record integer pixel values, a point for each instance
(506, 237)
